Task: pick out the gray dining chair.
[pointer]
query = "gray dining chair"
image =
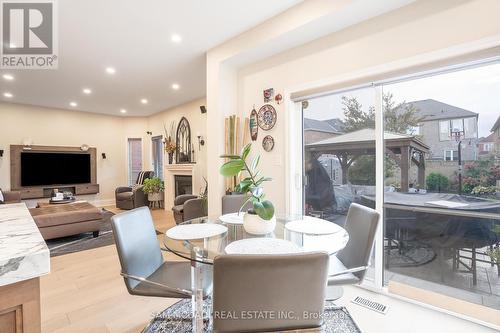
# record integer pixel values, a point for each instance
(273, 284)
(350, 264)
(143, 269)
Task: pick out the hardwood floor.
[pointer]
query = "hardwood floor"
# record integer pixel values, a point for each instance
(85, 293)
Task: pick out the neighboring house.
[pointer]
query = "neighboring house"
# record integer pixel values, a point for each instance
(496, 132)
(439, 122)
(487, 145)
(317, 130)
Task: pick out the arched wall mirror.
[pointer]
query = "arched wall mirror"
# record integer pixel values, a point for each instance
(183, 142)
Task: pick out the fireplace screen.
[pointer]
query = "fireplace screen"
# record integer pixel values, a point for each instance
(183, 185)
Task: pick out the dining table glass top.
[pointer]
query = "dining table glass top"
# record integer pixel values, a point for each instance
(189, 242)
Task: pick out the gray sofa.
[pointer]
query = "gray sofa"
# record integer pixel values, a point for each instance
(128, 197)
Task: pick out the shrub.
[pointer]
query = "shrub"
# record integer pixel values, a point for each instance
(478, 190)
(437, 182)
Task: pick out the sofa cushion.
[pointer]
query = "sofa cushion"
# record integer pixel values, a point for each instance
(65, 214)
(124, 195)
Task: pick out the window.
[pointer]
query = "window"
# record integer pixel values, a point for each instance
(134, 159)
(157, 152)
(451, 155)
(452, 244)
(444, 130)
(470, 127)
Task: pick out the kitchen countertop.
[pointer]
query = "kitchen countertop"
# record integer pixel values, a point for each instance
(23, 252)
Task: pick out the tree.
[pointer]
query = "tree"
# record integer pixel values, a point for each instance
(355, 118)
(398, 117)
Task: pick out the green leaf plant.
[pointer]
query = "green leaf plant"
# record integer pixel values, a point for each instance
(252, 184)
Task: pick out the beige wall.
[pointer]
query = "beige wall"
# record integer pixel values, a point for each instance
(423, 27)
(55, 127)
(197, 123)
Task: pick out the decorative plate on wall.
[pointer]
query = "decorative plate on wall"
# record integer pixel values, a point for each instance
(268, 143)
(254, 127)
(267, 117)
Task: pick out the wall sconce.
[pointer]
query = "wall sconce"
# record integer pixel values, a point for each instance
(201, 142)
(149, 133)
(203, 109)
(1, 152)
(103, 156)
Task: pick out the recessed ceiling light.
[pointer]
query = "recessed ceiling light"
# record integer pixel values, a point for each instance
(175, 86)
(176, 38)
(73, 104)
(87, 91)
(144, 101)
(8, 95)
(110, 70)
(8, 77)
(123, 111)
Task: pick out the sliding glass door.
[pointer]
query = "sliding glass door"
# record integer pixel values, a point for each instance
(339, 154)
(442, 180)
(425, 152)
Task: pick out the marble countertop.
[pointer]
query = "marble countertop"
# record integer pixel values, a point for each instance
(23, 252)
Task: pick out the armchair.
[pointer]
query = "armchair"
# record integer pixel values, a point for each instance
(130, 197)
(187, 207)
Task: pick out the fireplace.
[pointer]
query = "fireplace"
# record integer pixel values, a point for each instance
(183, 184)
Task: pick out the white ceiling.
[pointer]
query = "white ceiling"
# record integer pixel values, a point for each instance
(135, 38)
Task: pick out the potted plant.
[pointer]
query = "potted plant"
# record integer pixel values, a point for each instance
(259, 220)
(153, 187)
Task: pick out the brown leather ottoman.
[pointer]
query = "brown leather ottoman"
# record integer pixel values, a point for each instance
(60, 220)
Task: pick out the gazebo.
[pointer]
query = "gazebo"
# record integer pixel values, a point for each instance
(403, 149)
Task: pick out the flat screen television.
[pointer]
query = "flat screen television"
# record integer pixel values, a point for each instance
(39, 168)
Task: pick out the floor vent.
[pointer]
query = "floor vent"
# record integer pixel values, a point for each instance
(377, 307)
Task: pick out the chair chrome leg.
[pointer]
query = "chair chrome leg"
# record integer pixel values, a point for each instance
(334, 293)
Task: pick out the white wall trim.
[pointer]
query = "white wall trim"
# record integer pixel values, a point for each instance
(429, 58)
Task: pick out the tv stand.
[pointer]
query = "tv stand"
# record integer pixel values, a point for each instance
(45, 191)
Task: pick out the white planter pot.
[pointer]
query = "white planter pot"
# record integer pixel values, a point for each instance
(155, 196)
(255, 225)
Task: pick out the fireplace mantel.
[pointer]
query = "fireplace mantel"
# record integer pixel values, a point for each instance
(171, 170)
(180, 167)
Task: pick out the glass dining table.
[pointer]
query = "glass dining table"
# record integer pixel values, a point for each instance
(293, 234)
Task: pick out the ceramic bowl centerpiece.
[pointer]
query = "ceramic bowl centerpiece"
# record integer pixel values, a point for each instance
(260, 219)
(153, 187)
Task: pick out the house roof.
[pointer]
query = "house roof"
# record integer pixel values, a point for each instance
(365, 134)
(322, 125)
(497, 124)
(337, 124)
(430, 109)
(489, 138)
